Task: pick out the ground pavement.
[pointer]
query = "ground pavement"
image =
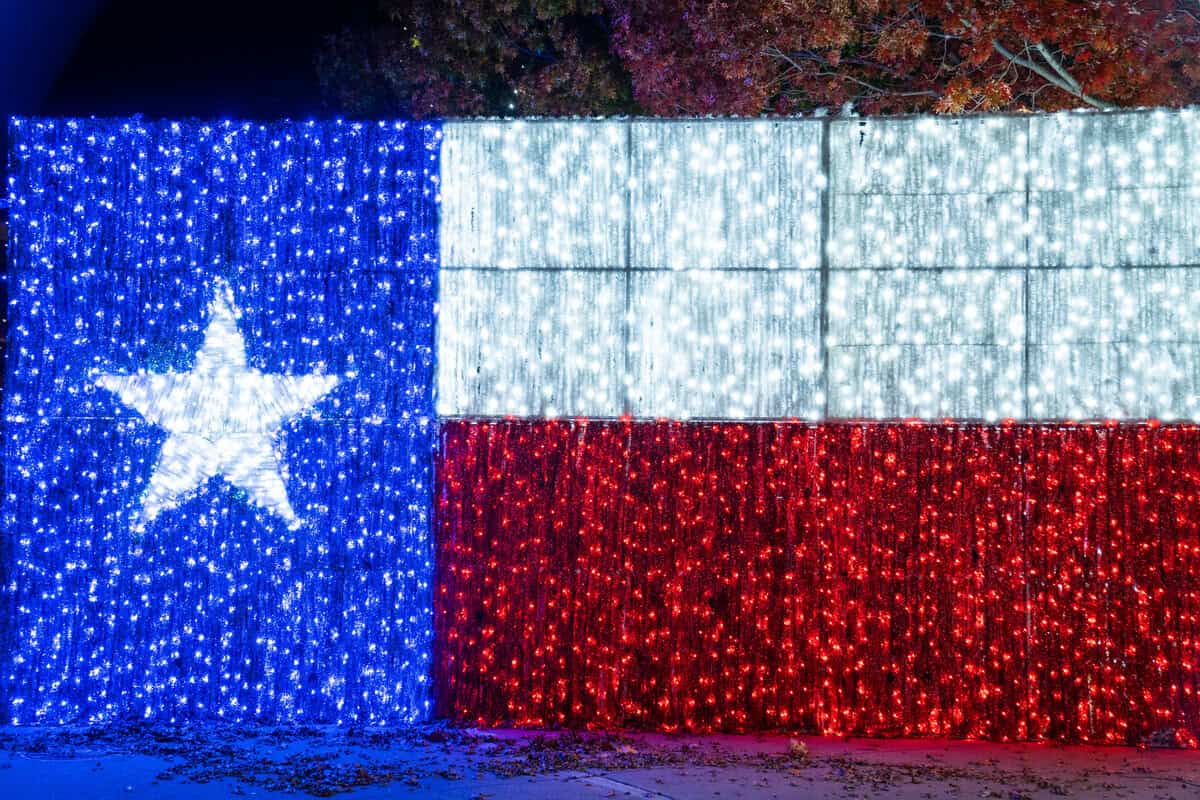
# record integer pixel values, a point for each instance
(201, 763)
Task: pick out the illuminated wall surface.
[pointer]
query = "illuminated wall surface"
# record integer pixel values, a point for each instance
(1005, 582)
(221, 385)
(965, 578)
(218, 421)
(1034, 267)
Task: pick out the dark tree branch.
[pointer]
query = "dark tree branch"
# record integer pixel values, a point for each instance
(1051, 76)
(880, 91)
(1058, 67)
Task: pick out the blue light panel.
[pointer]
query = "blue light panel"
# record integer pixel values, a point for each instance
(160, 561)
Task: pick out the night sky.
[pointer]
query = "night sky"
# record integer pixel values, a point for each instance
(218, 58)
(253, 58)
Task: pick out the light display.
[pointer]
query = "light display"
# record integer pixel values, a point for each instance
(944, 343)
(988, 267)
(222, 416)
(1115, 189)
(735, 194)
(220, 426)
(1115, 343)
(538, 194)
(928, 192)
(219, 421)
(524, 341)
(1014, 582)
(700, 344)
(715, 343)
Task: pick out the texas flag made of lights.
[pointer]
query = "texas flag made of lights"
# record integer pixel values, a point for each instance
(861, 426)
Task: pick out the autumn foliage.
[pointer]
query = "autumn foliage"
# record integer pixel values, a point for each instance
(687, 57)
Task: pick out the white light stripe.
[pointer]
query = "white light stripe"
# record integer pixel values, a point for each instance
(544, 194)
(712, 195)
(675, 269)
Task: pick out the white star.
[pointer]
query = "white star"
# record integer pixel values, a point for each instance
(222, 416)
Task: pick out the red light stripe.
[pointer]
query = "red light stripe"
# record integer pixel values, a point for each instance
(1011, 581)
